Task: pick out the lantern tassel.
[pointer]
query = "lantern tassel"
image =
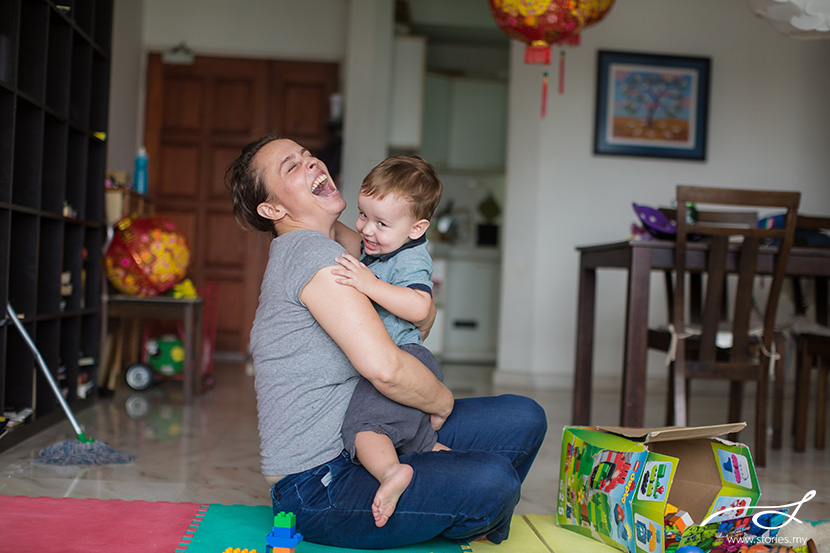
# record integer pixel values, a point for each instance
(544, 93)
(538, 53)
(561, 71)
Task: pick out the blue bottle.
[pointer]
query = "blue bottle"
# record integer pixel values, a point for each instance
(140, 177)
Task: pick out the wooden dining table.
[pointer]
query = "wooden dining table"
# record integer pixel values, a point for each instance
(639, 258)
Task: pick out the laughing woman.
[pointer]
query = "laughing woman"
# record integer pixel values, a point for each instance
(311, 341)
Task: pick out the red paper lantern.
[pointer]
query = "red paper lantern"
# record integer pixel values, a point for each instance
(542, 23)
(147, 256)
(596, 11)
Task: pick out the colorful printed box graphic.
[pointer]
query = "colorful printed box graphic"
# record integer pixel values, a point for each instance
(615, 483)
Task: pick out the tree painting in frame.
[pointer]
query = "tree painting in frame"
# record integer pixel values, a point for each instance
(651, 105)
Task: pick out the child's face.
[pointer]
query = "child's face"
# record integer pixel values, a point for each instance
(385, 225)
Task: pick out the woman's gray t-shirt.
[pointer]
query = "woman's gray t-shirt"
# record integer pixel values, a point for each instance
(303, 380)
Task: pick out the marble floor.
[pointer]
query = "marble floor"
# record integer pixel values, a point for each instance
(207, 452)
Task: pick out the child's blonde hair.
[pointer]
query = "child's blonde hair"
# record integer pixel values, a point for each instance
(409, 177)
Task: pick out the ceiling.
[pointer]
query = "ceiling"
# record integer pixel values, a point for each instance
(447, 34)
(467, 22)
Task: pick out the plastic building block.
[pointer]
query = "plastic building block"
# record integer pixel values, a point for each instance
(285, 520)
(285, 543)
(282, 532)
(684, 520)
(283, 537)
(237, 550)
(284, 527)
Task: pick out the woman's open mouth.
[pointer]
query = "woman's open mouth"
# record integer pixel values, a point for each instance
(322, 186)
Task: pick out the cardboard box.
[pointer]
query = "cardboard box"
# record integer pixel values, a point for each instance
(121, 202)
(615, 483)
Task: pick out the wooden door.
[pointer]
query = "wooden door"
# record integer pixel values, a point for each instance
(198, 118)
(299, 101)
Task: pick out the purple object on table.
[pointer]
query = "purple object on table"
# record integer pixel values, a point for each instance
(657, 224)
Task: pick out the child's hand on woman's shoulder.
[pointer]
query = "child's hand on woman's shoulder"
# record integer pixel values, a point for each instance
(354, 273)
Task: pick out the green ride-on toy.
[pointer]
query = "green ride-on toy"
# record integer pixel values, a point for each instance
(163, 356)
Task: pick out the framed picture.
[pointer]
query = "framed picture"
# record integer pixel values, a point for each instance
(651, 105)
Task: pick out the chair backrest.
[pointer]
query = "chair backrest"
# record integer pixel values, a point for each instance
(812, 231)
(812, 222)
(737, 217)
(725, 238)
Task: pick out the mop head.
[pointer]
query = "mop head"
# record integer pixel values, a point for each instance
(77, 452)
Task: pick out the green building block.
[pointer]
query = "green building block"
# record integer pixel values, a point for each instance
(285, 520)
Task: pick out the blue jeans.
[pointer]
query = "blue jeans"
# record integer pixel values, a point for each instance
(462, 494)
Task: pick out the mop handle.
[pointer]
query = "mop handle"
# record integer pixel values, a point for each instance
(44, 369)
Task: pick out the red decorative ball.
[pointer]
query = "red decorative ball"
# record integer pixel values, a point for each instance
(147, 256)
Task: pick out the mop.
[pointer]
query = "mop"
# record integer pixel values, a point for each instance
(81, 451)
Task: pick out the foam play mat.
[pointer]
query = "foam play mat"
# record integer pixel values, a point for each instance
(91, 525)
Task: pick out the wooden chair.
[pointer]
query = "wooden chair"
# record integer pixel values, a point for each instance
(743, 218)
(712, 349)
(811, 347)
(661, 339)
(812, 341)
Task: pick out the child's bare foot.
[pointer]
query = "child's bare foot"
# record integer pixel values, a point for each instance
(391, 488)
(440, 447)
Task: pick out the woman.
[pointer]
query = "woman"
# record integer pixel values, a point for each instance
(312, 338)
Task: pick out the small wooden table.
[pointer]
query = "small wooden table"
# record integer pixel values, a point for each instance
(188, 310)
(639, 258)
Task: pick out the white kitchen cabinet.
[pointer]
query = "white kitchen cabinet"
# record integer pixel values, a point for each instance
(435, 146)
(407, 101)
(478, 127)
(471, 300)
(435, 340)
(465, 123)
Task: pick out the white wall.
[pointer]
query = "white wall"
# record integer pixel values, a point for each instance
(367, 95)
(125, 85)
(307, 30)
(769, 126)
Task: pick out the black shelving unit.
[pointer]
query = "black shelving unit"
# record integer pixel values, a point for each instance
(54, 99)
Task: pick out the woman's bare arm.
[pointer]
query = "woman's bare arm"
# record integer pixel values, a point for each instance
(349, 318)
